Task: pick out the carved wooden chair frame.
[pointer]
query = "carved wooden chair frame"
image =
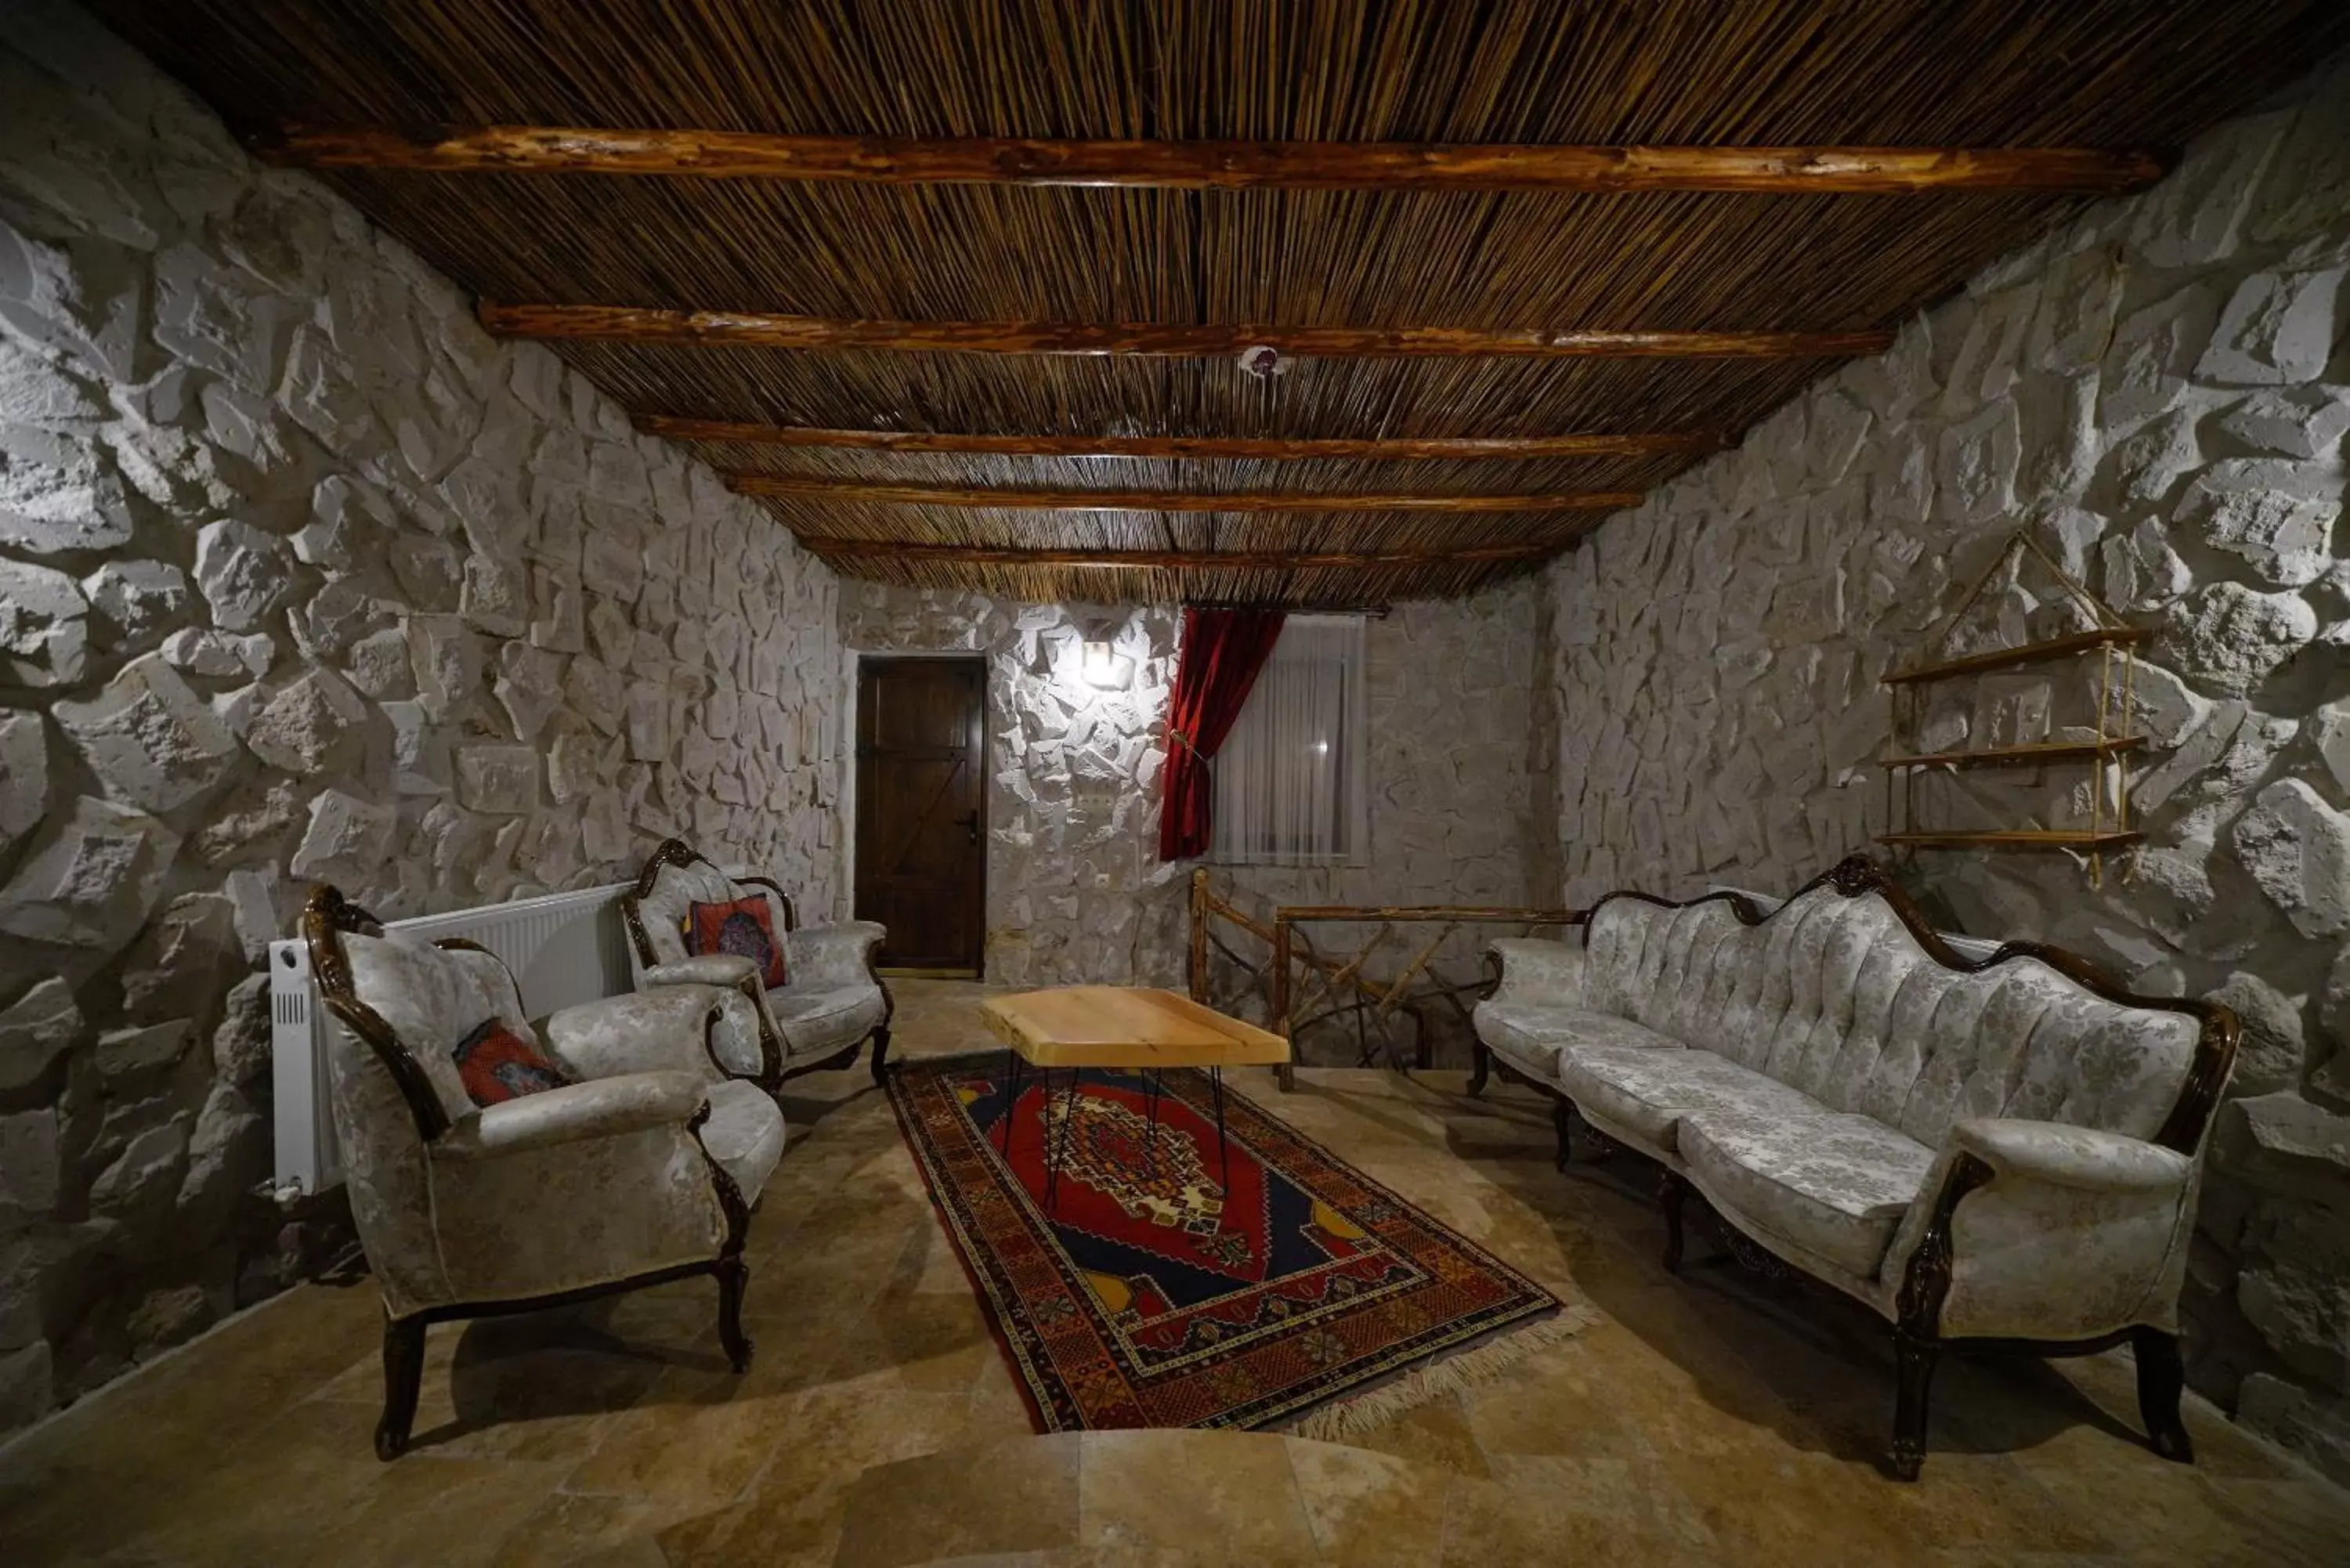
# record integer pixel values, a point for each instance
(773, 1072)
(325, 916)
(1918, 1339)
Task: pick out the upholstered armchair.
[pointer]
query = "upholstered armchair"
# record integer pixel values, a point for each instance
(640, 1168)
(831, 1001)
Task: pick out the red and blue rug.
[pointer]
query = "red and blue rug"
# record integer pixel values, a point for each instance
(1150, 1294)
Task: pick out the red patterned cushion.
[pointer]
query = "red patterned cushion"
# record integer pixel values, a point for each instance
(745, 928)
(498, 1064)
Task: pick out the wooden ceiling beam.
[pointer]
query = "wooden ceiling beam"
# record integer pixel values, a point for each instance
(753, 329)
(1275, 449)
(770, 486)
(1171, 560)
(1214, 165)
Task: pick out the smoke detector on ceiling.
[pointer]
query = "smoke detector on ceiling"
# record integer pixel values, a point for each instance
(1264, 361)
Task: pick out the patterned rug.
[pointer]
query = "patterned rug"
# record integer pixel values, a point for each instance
(1153, 1293)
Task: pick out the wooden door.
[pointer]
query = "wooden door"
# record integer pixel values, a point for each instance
(921, 856)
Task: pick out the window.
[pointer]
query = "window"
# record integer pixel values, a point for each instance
(1290, 785)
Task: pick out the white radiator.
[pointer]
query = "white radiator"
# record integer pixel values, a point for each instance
(564, 949)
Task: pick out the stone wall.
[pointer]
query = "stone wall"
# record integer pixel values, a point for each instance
(2158, 392)
(303, 578)
(1075, 890)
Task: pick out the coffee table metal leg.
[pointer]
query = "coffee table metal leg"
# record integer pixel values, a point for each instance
(1151, 1086)
(1056, 1146)
(1012, 1065)
(1052, 1138)
(1223, 1149)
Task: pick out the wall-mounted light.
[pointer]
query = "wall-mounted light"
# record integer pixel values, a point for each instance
(1103, 666)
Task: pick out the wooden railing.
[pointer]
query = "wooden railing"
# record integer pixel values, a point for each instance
(1298, 976)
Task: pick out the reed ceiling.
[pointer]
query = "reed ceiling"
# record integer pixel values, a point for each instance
(2112, 74)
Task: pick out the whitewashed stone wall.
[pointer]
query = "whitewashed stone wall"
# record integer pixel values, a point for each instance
(2160, 391)
(1075, 890)
(303, 578)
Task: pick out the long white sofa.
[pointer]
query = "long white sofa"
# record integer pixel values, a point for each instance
(2003, 1147)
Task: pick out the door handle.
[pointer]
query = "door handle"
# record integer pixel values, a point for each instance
(970, 823)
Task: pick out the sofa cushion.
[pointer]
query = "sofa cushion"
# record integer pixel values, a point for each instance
(665, 913)
(1646, 1091)
(1833, 1184)
(739, 928)
(432, 997)
(1531, 1036)
(745, 1134)
(832, 1018)
(497, 1063)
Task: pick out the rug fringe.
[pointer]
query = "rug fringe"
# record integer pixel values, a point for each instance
(1479, 1363)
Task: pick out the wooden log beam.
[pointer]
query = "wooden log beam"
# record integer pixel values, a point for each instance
(777, 487)
(1213, 165)
(755, 330)
(1166, 560)
(1276, 449)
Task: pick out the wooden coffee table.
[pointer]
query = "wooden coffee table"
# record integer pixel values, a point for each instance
(1131, 1027)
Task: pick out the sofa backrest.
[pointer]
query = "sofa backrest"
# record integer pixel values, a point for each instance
(1834, 993)
(674, 879)
(404, 1003)
(433, 997)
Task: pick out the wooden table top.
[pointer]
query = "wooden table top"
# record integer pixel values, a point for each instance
(1127, 1026)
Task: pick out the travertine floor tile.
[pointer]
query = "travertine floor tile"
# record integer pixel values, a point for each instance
(1708, 1418)
(567, 1529)
(693, 1442)
(986, 1502)
(1550, 1510)
(1437, 1434)
(1233, 1491)
(1560, 1406)
(1370, 1508)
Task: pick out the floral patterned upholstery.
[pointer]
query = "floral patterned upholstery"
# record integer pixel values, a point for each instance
(1832, 1072)
(568, 1190)
(1834, 996)
(1648, 1092)
(1537, 1018)
(1837, 1186)
(642, 1171)
(745, 1133)
(2077, 1233)
(1538, 1039)
(832, 1005)
(670, 1027)
(667, 907)
(433, 997)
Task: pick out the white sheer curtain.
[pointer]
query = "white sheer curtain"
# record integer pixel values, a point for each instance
(1289, 781)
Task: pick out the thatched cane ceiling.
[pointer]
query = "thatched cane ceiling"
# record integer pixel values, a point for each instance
(2110, 74)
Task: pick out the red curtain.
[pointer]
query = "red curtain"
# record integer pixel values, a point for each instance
(1222, 651)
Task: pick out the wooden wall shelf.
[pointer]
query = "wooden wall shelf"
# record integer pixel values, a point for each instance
(2107, 636)
(2014, 838)
(2024, 756)
(2028, 653)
